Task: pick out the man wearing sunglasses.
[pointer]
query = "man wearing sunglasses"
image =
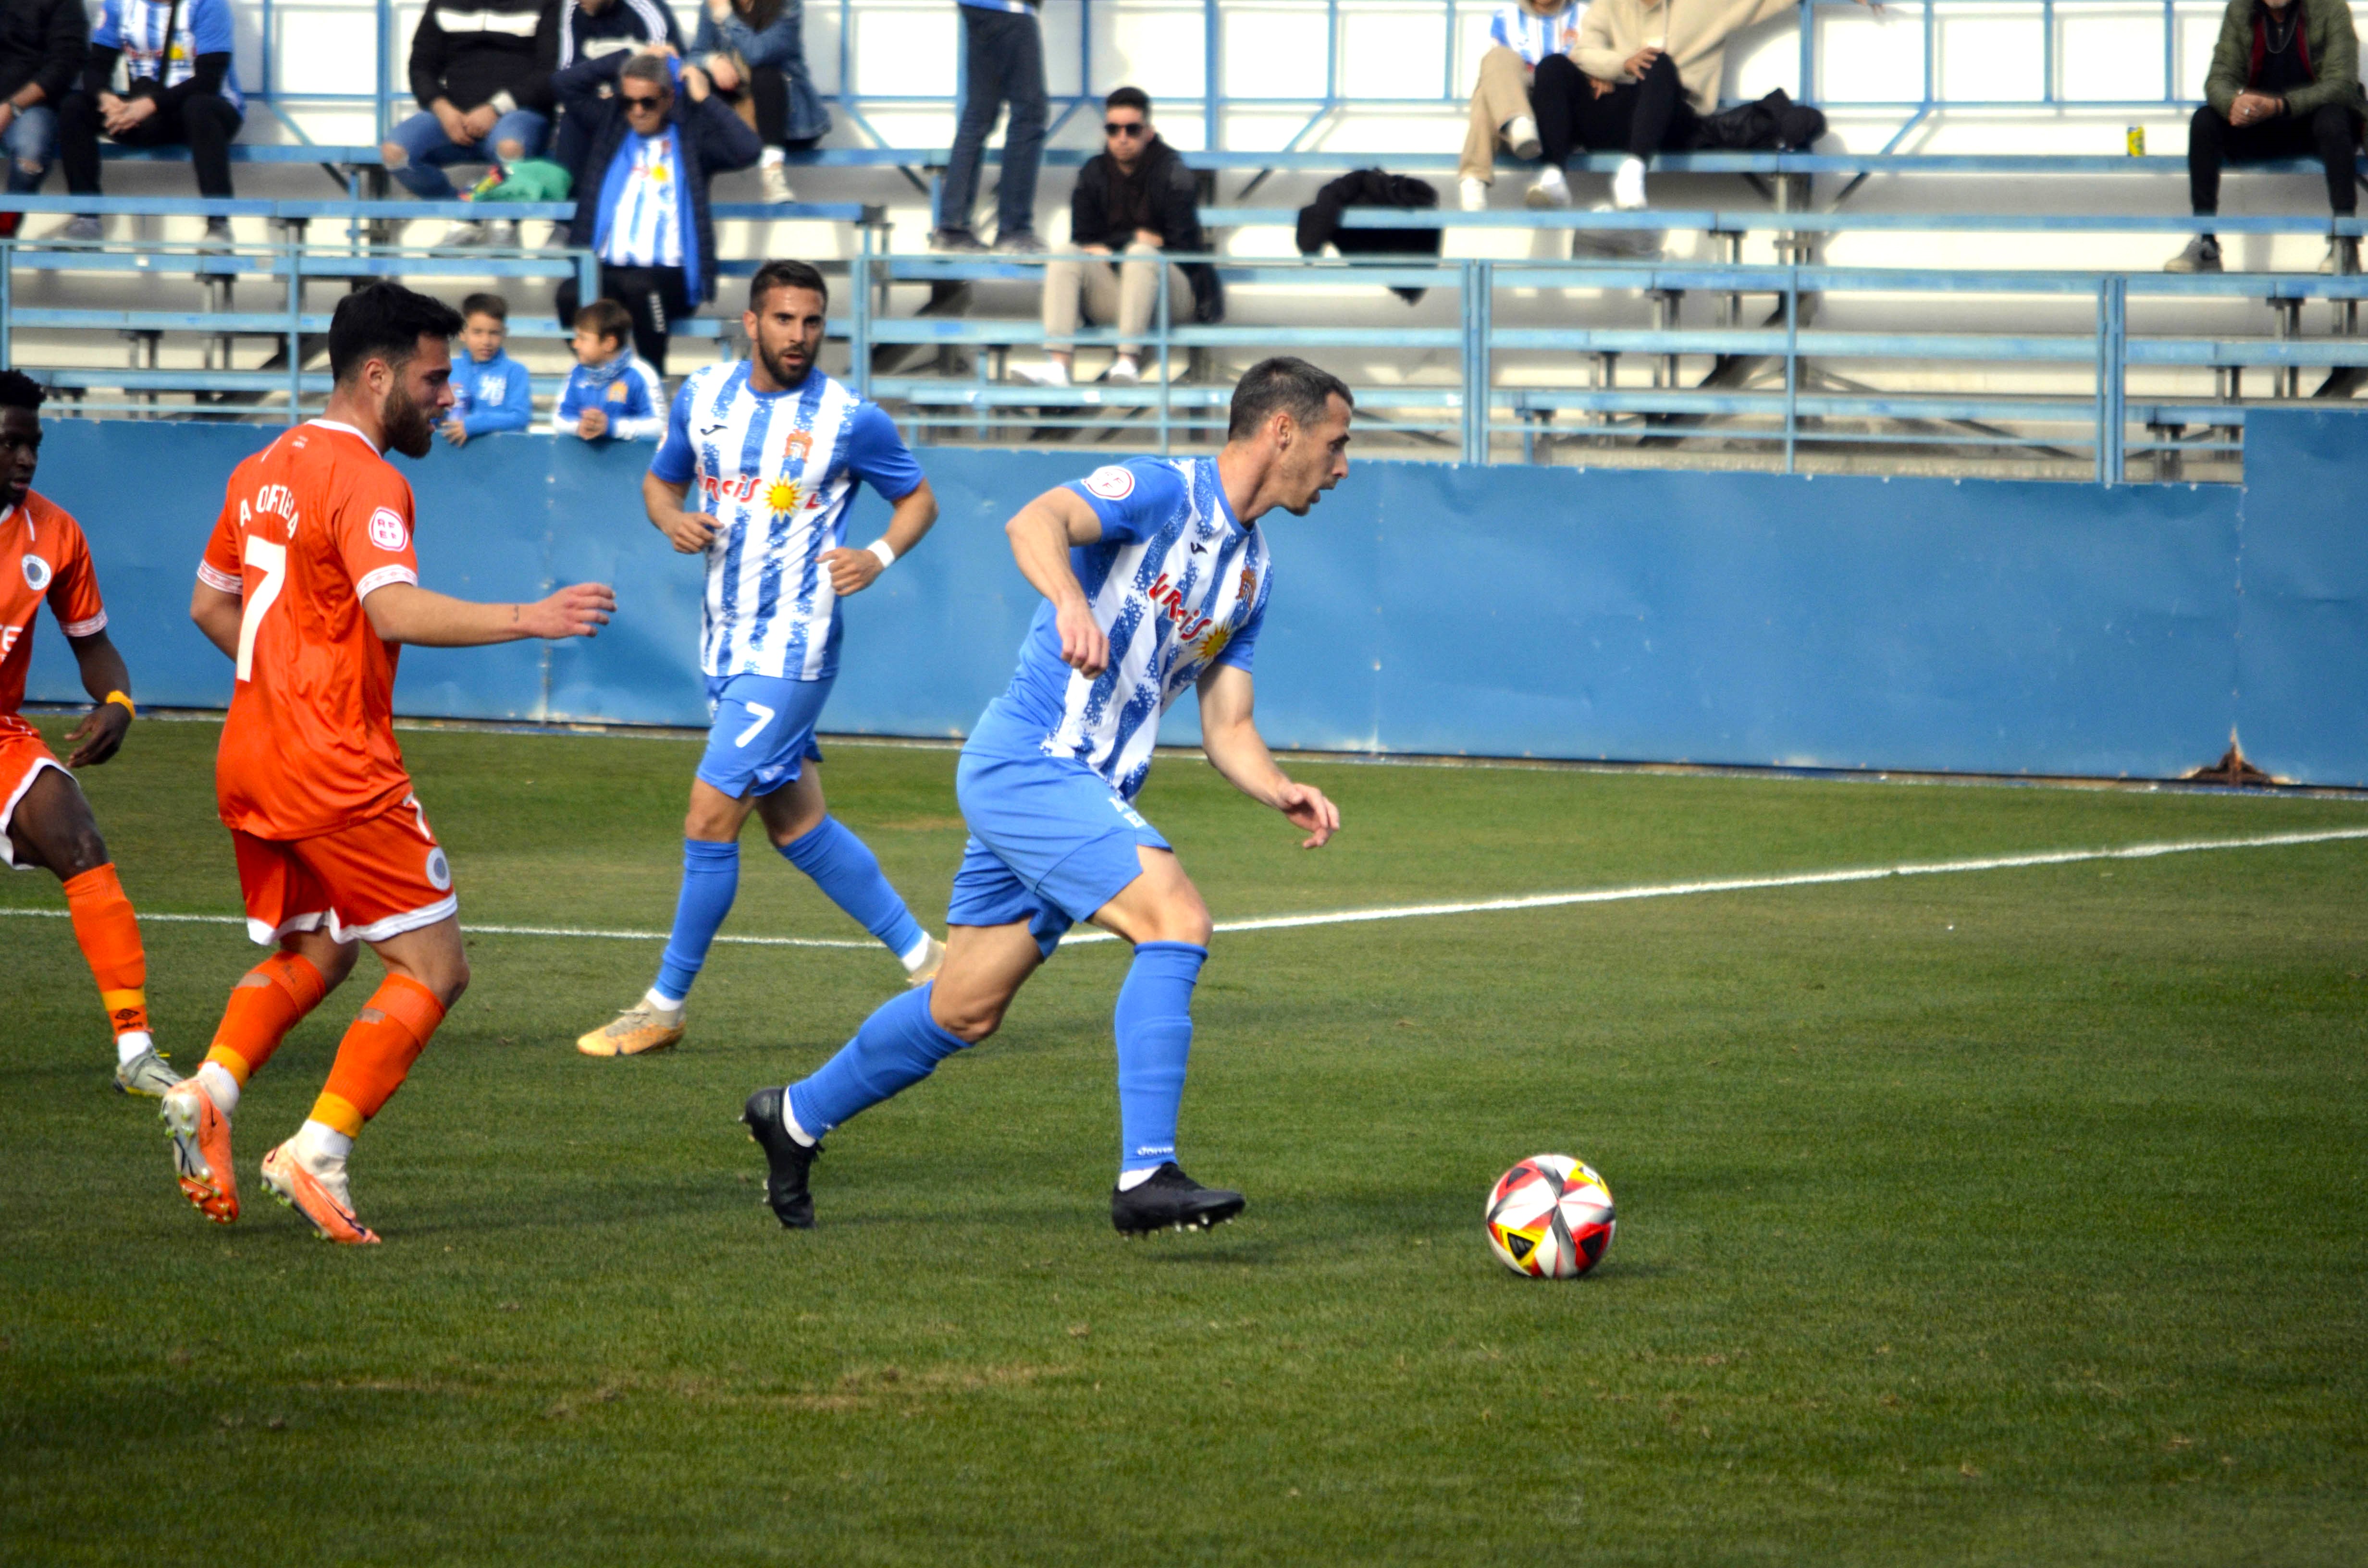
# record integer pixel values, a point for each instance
(641, 200)
(1134, 198)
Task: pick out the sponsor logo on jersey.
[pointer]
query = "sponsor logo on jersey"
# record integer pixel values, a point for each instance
(781, 497)
(386, 529)
(37, 572)
(1189, 622)
(1111, 483)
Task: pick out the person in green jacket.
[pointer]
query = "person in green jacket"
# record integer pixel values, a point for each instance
(2285, 82)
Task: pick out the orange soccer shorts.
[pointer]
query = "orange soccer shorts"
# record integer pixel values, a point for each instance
(376, 879)
(22, 757)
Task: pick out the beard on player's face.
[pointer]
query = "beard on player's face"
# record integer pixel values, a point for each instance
(409, 425)
(789, 360)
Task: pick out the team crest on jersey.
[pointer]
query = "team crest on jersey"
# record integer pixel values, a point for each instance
(386, 529)
(618, 392)
(796, 447)
(1111, 483)
(37, 572)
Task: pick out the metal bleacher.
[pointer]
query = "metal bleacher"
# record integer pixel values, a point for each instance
(1820, 322)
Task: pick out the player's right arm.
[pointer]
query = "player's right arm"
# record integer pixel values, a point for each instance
(669, 482)
(1041, 535)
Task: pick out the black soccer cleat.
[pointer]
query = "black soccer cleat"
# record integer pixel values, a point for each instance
(1171, 1200)
(786, 1160)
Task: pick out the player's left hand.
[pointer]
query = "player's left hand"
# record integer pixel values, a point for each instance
(100, 733)
(851, 570)
(1307, 807)
(580, 611)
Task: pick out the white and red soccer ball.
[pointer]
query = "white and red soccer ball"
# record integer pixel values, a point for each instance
(1550, 1217)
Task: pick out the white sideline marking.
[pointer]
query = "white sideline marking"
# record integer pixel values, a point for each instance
(1477, 906)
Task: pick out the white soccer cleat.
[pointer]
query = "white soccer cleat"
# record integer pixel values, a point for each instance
(147, 1074)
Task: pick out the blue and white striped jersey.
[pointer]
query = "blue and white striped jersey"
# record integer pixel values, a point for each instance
(1533, 37)
(776, 470)
(642, 226)
(137, 27)
(1178, 586)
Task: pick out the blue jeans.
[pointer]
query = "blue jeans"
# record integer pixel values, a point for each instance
(31, 138)
(427, 150)
(1004, 56)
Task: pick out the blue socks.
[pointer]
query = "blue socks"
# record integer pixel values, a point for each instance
(897, 1047)
(1155, 1038)
(710, 879)
(848, 874)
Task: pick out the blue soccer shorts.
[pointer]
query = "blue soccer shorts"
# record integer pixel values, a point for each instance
(1051, 843)
(763, 733)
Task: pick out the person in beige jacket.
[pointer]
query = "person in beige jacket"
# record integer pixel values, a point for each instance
(1641, 75)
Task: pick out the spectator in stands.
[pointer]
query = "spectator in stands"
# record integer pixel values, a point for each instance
(642, 204)
(1004, 62)
(1639, 79)
(612, 394)
(1134, 197)
(591, 29)
(489, 388)
(1523, 34)
(41, 47)
(2285, 82)
(755, 52)
(481, 69)
(179, 91)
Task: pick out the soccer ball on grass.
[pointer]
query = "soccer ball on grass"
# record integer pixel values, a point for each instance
(1550, 1217)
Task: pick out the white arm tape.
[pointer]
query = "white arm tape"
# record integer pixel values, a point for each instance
(884, 550)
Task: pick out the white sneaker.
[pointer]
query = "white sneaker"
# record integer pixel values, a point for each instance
(1049, 373)
(501, 232)
(1625, 244)
(1475, 192)
(1628, 184)
(773, 183)
(1550, 190)
(1125, 371)
(1521, 136)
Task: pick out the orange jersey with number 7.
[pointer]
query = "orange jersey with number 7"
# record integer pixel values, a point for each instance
(311, 525)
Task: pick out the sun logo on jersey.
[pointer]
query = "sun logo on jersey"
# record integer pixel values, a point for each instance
(1214, 644)
(781, 497)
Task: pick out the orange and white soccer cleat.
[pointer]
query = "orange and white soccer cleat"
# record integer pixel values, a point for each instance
(644, 1027)
(330, 1211)
(201, 1150)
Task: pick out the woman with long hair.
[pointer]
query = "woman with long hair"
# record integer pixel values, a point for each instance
(755, 52)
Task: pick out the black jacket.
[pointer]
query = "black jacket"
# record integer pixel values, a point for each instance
(713, 140)
(42, 40)
(1172, 198)
(625, 26)
(1319, 220)
(473, 52)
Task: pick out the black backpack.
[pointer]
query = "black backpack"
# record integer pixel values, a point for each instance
(1774, 124)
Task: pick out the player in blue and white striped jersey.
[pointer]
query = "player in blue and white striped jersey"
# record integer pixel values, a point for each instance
(1156, 578)
(767, 452)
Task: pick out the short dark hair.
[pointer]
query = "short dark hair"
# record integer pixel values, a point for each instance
(785, 275)
(1285, 383)
(385, 321)
(1128, 98)
(19, 390)
(608, 318)
(492, 305)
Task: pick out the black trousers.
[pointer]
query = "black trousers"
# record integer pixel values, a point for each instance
(207, 124)
(1638, 117)
(652, 295)
(2330, 133)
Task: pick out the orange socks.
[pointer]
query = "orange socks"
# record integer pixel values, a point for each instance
(109, 934)
(377, 1053)
(271, 1000)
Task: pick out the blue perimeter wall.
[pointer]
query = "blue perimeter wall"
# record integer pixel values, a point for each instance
(1716, 618)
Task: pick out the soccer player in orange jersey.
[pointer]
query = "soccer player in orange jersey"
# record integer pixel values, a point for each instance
(44, 820)
(311, 585)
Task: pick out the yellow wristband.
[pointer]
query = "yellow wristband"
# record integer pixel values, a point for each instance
(125, 700)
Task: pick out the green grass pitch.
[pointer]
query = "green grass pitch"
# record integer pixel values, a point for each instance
(2013, 1217)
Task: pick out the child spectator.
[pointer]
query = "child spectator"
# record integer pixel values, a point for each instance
(489, 388)
(612, 393)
